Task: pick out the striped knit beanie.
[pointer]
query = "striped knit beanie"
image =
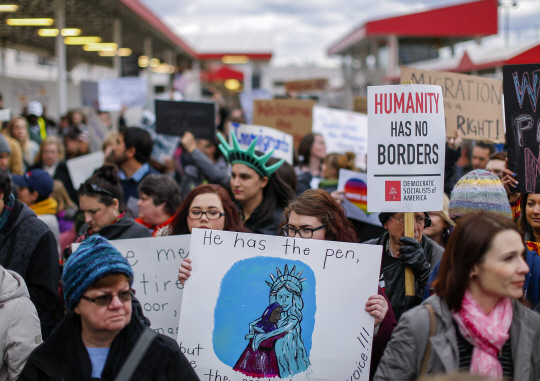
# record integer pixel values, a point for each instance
(94, 259)
(479, 190)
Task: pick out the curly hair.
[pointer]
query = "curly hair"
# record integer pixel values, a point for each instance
(6, 185)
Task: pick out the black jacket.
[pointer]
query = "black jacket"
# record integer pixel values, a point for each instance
(28, 247)
(63, 357)
(394, 275)
(124, 229)
(271, 228)
(62, 173)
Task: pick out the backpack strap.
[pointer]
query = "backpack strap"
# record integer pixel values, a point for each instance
(432, 331)
(136, 355)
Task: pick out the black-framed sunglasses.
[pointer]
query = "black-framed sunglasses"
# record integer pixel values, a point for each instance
(289, 231)
(195, 214)
(105, 300)
(93, 188)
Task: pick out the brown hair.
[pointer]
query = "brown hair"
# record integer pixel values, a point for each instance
(318, 203)
(52, 140)
(467, 246)
(524, 225)
(338, 161)
(110, 280)
(61, 196)
(502, 156)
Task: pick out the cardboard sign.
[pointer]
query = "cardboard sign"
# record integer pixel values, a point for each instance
(164, 145)
(267, 139)
(354, 186)
(522, 114)
(155, 262)
(175, 118)
(82, 167)
(118, 92)
(406, 148)
(306, 85)
(292, 116)
(342, 131)
(472, 104)
(231, 324)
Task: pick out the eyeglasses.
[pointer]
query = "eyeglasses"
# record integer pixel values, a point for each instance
(195, 214)
(289, 231)
(421, 221)
(93, 188)
(105, 300)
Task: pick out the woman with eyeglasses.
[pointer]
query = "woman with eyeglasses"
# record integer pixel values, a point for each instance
(97, 337)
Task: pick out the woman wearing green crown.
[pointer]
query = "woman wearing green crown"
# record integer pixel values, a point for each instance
(261, 194)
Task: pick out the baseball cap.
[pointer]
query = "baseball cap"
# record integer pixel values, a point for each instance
(36, 179)
(35, 108)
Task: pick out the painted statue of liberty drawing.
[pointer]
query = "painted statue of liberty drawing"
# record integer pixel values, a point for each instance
(276, 337)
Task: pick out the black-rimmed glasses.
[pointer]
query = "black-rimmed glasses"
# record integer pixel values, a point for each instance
(93, 188)
(289, 231)
(105, 300)
(195, 214)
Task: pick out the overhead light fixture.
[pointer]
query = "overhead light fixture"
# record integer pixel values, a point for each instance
(161, 68)
(107, 53)
(9, 8)
(82, 40)
(30, 22)
(235, 59)
(70, 32)
(232, 84)
(48, 32)
(103, 46)
(143, 61)
(124, 52)
(154, 62)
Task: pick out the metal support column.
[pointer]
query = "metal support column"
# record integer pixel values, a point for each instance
(148, 73)
(197, 79)
(117, 39)
(61, 58)
(248, 74)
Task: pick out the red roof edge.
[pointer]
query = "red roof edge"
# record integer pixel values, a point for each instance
(219, 56)
(153, 20)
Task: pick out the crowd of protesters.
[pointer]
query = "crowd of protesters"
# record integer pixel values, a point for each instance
(476, 263)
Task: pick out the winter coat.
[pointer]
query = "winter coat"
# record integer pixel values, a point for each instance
(271, 228)
(63, 357)
(394, 275)
(124, 229)
(20, 331)
(199, 169)
(404, 353)
(28, 247)
(382, 337)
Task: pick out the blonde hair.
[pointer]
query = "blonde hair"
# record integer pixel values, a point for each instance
(61, 196)
(109, 140)
(444, 213)
(52, 140)
(338, 161)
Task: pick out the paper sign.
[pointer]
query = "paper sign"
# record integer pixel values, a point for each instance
(522, 114)
(126, 91)
(292, 116)
(406, 148)
(97, 131)
(320, 330)
(472, 104)
(164, 145)
(5, 115)
(267, 139)
(354, 186)
(342, 131)
(247, 98)
(306, 85)
(155, 262)
(175, 118)
(82, 168)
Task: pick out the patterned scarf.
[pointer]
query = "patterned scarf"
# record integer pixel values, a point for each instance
(487, 333)
(533, 246)
(4, 216)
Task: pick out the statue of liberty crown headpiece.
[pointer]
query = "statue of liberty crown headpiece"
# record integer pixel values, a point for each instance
(287, 276)
(235, 154)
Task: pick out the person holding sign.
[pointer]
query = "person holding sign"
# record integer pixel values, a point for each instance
(261, 193)
(475, 323)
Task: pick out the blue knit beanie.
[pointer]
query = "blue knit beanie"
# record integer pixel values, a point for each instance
(94, 259)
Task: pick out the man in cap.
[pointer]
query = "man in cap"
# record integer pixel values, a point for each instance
(37, 127)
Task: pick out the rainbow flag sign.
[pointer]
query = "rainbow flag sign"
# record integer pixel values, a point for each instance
(354, 187)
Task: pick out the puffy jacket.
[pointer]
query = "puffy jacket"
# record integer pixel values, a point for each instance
(124, 229)
(404, 353)
(394, 275)
(20, 331)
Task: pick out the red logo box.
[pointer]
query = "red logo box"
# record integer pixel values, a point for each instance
(392, 190)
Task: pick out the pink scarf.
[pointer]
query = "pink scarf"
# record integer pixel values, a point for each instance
(487, 333)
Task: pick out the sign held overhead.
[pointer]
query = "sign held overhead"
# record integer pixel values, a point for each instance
(175, 118)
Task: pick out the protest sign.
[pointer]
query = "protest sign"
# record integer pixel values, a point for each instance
(472, 104)
(5, 115)
(312, 294)
(82, 167)
(406, 148)
(97, 131)
(268, 139)
(292, 116)
(175, 118)
(342, 131)
(521, 89)
(118, 92)
(247, 98)
(164, 145)
(354, 187)
(306, 85)
(155, 262)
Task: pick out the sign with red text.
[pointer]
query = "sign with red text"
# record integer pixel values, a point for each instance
(406, 146)
(306, 85)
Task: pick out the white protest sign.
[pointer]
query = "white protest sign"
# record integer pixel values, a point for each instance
(164, 145)
(231, 324)
(247, 98)
(406, 135)
(354, 187)
(118, 92)
(96, 129)
(5, 115)
(155, 262)
(268, 138)
(342, 131)
(82, 167)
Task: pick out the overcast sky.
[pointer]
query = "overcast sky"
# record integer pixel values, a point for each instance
(304, 29)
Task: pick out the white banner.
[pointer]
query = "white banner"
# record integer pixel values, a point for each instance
(247, 98)
(342, 131)
(82, 167)
(164, 145)
(406, 148)
(354, 187)
(268, 139)
(118, 92)
(260, 306)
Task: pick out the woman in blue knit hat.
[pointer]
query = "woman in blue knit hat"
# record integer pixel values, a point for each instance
(96, 337)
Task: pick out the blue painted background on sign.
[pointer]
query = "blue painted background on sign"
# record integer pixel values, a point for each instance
(243, 297)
